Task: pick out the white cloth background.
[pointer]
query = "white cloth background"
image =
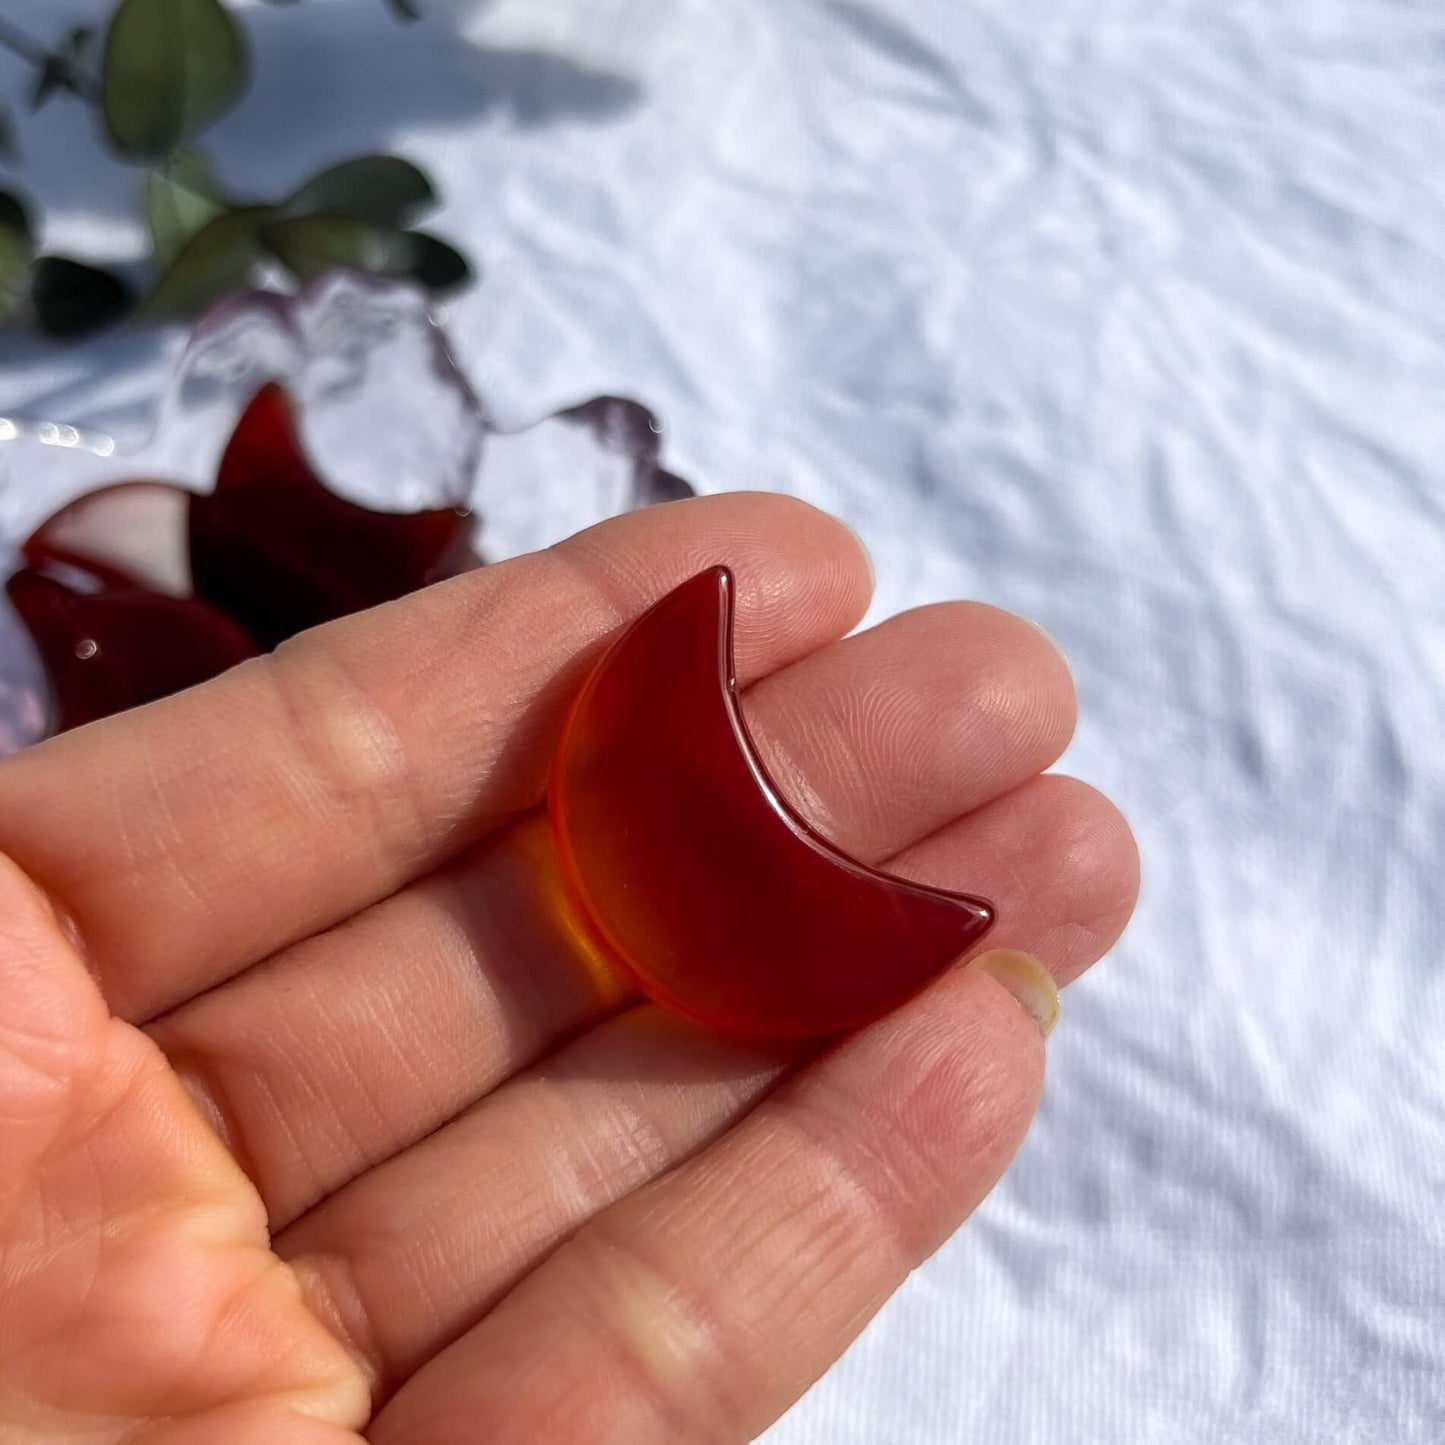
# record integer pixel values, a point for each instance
(1129, 314)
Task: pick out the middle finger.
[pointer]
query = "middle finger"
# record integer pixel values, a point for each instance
(344, 1049)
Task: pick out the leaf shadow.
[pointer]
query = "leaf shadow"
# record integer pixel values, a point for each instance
(321, 91)
(378, 79)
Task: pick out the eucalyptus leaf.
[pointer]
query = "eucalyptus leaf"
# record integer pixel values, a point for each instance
(309, 246)
(180, 198)
(385, 190)
(218, 259)
(15, 216)
(439, 267)
(73, 299)
(17, 250)
(7, 134)
(170, 68)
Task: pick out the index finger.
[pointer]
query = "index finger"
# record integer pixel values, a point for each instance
(192, 837)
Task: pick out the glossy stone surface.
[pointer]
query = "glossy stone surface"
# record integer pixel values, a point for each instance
(136, 590)
(273, 547)
(689, 868)
(129, 532)
(364, 465)
(109, 645)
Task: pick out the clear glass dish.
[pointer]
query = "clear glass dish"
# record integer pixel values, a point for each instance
(387, 418)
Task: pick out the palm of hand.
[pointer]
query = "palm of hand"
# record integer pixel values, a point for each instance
(312, 1121)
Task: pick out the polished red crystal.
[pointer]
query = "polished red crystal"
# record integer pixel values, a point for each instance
(129, 533)
(109, 645)
(277, 550)
(141, 588)
(689, 868)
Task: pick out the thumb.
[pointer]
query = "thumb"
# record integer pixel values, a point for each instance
(52, 1028)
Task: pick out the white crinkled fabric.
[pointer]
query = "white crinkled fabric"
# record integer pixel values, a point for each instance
(1129, 315)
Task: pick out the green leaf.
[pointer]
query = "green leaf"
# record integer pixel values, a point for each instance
(170, 68)
(15, 215)
(218, 259)
(73, 299)
(441, 268)
(17, 250)
(179, 199)
(309, 246)
(384, 190)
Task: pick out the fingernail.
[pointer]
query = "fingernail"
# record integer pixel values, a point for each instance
(1027, 980)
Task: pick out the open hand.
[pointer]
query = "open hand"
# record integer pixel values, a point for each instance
(313, 1121)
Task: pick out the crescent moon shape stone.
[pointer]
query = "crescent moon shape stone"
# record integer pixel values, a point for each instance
(689, 868)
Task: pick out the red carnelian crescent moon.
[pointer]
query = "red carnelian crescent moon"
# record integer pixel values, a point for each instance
(691, 870)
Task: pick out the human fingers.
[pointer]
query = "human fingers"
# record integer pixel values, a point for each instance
(346, 1048)
(192, 837)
